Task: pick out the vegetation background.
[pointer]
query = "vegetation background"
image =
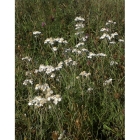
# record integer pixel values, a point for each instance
(83, 115)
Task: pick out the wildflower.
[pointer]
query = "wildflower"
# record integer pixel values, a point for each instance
(28, 81)
(110, 22)
(83, 38)
(113, 63)
(49, 91)
(108, 36)
(84, 50)
(104, 29)
(79, 19)
(107, 82)
(114, 34)
(27, 58)
(36, 71)
(121, 40)
(87, 74)
(52, 75)
(74, 63)
(54, 49)
(55, 98)
(103, 36)
(42, 87)
(74, 50)
(79, 52)
(49, 69)
(90, 89)
(28, 73)
(37, 87)
(37, 101)
(36, 33)
(101, 54)
(49, 40)
(79, 44)
(112, 42)
(59, 66)
(79, 26)
(91, 54)
(84, 73)
(42, 68)
(68, 61)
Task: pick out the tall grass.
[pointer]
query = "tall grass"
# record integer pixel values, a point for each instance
(89, 107)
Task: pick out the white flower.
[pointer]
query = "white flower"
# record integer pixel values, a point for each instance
(103, 36)
(74, 50)
(107, 82)
(79, 44)
(42, 68)
(79, 19)
(67, 61)
(84, 50)
(79, 26)
(28, 73)
(84, 73)
(74, 63)
(104, 29)
(83, 38)
(28, 81)
(87, 74)
(36, 33)
(112, 42)
(90, 55)
(27, 58)
(113, 63)
(54, 49)
(108, 36)
(113, 35)
(90, 89)
(101, 54)
(52, 75)
(121, 40)
(49, 69)
(36, 71)
(37, 87)
(37, 101)
(59, 66)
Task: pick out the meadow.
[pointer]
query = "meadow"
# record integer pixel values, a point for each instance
(70, 69)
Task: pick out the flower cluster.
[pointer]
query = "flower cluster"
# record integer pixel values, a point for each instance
(52, 41)
(84, 73)
(113, 63)
(70, 61)
(28, 81)
(27, 58)
(79, 26)
(109, 36)
(90, 55)
(107, 82)
(48, 69)
(36, 33)
(38, 101)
